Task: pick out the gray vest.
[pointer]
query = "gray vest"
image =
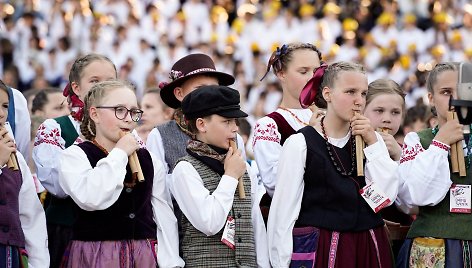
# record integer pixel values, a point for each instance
(174, 141)
(200, 250)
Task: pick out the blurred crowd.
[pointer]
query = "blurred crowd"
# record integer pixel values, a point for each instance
(401, 40)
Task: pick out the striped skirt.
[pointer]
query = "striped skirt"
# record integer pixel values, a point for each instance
(13, 257)
(432, 252)
(313, 247)
(104, 254)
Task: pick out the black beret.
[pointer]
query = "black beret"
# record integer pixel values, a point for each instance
(214, 99)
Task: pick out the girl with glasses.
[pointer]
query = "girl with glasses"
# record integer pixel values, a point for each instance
(120, 222)
(53, 136)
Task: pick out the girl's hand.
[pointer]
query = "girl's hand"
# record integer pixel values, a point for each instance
(7, 146)
(235, 166)
(394, 149)
(360, 125)
(316, 117)
(450, 132)
(128, 143)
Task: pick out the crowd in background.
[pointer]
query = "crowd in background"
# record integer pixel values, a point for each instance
(401, 40)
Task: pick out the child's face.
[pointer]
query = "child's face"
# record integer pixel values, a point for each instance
(348, 94)
(193, 83)
(218, 131)
(55, 107)
(385, 111)
(298, 71)
(108, 126)
(3, 106)
(446, 85)
(153, 109)
(97, 71)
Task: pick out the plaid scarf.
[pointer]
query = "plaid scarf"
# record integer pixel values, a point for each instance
(210, 155)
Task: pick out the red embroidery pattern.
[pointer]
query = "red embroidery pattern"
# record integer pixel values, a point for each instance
(409, 153)
(78, 141)
(267, 132)
(45, 136)
(440, 145)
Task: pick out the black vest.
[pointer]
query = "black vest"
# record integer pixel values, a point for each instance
(130, 217)
(330, 200)
(11, 232)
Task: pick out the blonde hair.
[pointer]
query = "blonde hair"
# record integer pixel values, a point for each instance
(384, 86)
(93, 98)
(331, 73)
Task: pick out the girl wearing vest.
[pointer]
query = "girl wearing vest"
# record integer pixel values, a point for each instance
(53, 136)
(293, 64)
(119, 218)
(220, 229)
(318, 217)
(440, 236)
(385, 107)
(23, 237)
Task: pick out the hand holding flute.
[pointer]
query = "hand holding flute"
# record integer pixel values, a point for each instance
(451, 134)
(234, 167)
(8, 145)
(365, 135)
(127, 140)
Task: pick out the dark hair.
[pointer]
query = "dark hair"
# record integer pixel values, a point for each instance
(41, 99)
(415, 113)
(96, 94)
(281, 57)
(439, 68)
(244, 126)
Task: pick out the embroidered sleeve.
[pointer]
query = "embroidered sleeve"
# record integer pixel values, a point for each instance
(266, 130)
(440, 145)
(49, 133)
(410, 151)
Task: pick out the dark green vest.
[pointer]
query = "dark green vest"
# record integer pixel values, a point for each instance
(63, 211)
(200, 250)
(437, 221)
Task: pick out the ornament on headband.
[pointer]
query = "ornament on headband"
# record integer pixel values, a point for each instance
(163, 84)
(308, 94)
(275, 59)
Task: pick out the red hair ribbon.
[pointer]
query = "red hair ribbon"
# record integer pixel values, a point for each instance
(308, 94)
(77, 105)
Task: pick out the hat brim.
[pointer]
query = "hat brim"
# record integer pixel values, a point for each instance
(232, 114)
(167, 92)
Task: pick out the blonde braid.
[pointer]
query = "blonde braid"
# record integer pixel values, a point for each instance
(93, 98)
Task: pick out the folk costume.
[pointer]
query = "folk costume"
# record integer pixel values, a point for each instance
(440, 235)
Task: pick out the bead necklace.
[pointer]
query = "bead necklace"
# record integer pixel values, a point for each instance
(295, 116)
(333, 160)
(133, 178)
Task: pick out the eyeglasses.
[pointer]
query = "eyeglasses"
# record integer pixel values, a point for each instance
(121, 112)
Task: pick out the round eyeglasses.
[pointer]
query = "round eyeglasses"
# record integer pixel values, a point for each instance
(121, 112)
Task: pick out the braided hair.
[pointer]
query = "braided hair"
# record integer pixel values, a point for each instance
(281, 57)
(94, 98)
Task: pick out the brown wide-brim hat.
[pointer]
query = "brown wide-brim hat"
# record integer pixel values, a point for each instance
(187, 67)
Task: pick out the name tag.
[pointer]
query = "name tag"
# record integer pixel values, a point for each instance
(459, 198)
(228, 233)
(376, 199)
